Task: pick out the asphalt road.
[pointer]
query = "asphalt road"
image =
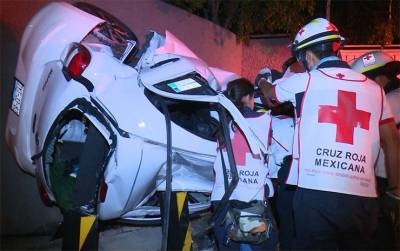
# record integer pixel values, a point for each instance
(115, 237)
(118, 238)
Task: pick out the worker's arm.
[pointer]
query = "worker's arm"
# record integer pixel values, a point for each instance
(390, 142)
(284, 89)
(267, 89)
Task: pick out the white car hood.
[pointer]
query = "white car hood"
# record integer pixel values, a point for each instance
(170, 47)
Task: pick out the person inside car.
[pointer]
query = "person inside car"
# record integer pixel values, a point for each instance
(248, 202)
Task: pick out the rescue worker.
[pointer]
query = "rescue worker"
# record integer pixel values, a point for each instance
(280, 154)
(381, 68)
(341, 116)
(253, 187)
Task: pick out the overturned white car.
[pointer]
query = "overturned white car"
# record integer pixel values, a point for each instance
(89, 111)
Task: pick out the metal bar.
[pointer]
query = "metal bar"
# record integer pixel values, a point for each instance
(168, 179)
(232, 164)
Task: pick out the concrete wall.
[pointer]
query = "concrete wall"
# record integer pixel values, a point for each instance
(21, 209)
(265, 52)
(216, 46)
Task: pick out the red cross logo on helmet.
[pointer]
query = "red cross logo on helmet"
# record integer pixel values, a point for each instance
(331, 27)
(368, 60)
(368, 57)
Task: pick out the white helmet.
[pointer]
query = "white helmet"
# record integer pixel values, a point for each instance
(317, 31)
(371, 61)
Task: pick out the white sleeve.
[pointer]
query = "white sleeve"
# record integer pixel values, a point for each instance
(287, 89)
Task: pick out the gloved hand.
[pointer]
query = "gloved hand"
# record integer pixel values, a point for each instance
(264, 73)
(264, 79)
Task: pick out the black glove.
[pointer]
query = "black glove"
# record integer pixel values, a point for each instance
(264, 73)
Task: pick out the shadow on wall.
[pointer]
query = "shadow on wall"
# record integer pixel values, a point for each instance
(21, 208)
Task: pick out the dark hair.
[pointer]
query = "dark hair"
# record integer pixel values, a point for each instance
(324, 50)
(237, 89)
(290, 61)
(390, 70)
(320, 50)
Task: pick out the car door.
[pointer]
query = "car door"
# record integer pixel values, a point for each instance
(191, 86)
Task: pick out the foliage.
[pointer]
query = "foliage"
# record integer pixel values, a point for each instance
(360, 21)
(272, 16)
(247, 17)
(368, 22)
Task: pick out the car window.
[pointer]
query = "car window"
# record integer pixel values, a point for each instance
(101, 35)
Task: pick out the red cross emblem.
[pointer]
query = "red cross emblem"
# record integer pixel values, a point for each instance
(331, 27)
(240, 148)
(368, 57)
(340, 75)
(301, 31)
(345, 116)
(368, 60)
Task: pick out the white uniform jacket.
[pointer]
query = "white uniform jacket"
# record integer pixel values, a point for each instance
(336, 143)
(252, 169)
(281, 143)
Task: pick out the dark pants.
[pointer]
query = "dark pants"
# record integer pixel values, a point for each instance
(284, 206)
(385, 235)
(220, 233)
(327, 220)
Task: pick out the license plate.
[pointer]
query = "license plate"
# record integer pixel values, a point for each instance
(16, 99)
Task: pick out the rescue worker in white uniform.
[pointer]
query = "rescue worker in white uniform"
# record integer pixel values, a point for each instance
(341, 117)
(253, 183)
(381, 68)
(280, 150)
